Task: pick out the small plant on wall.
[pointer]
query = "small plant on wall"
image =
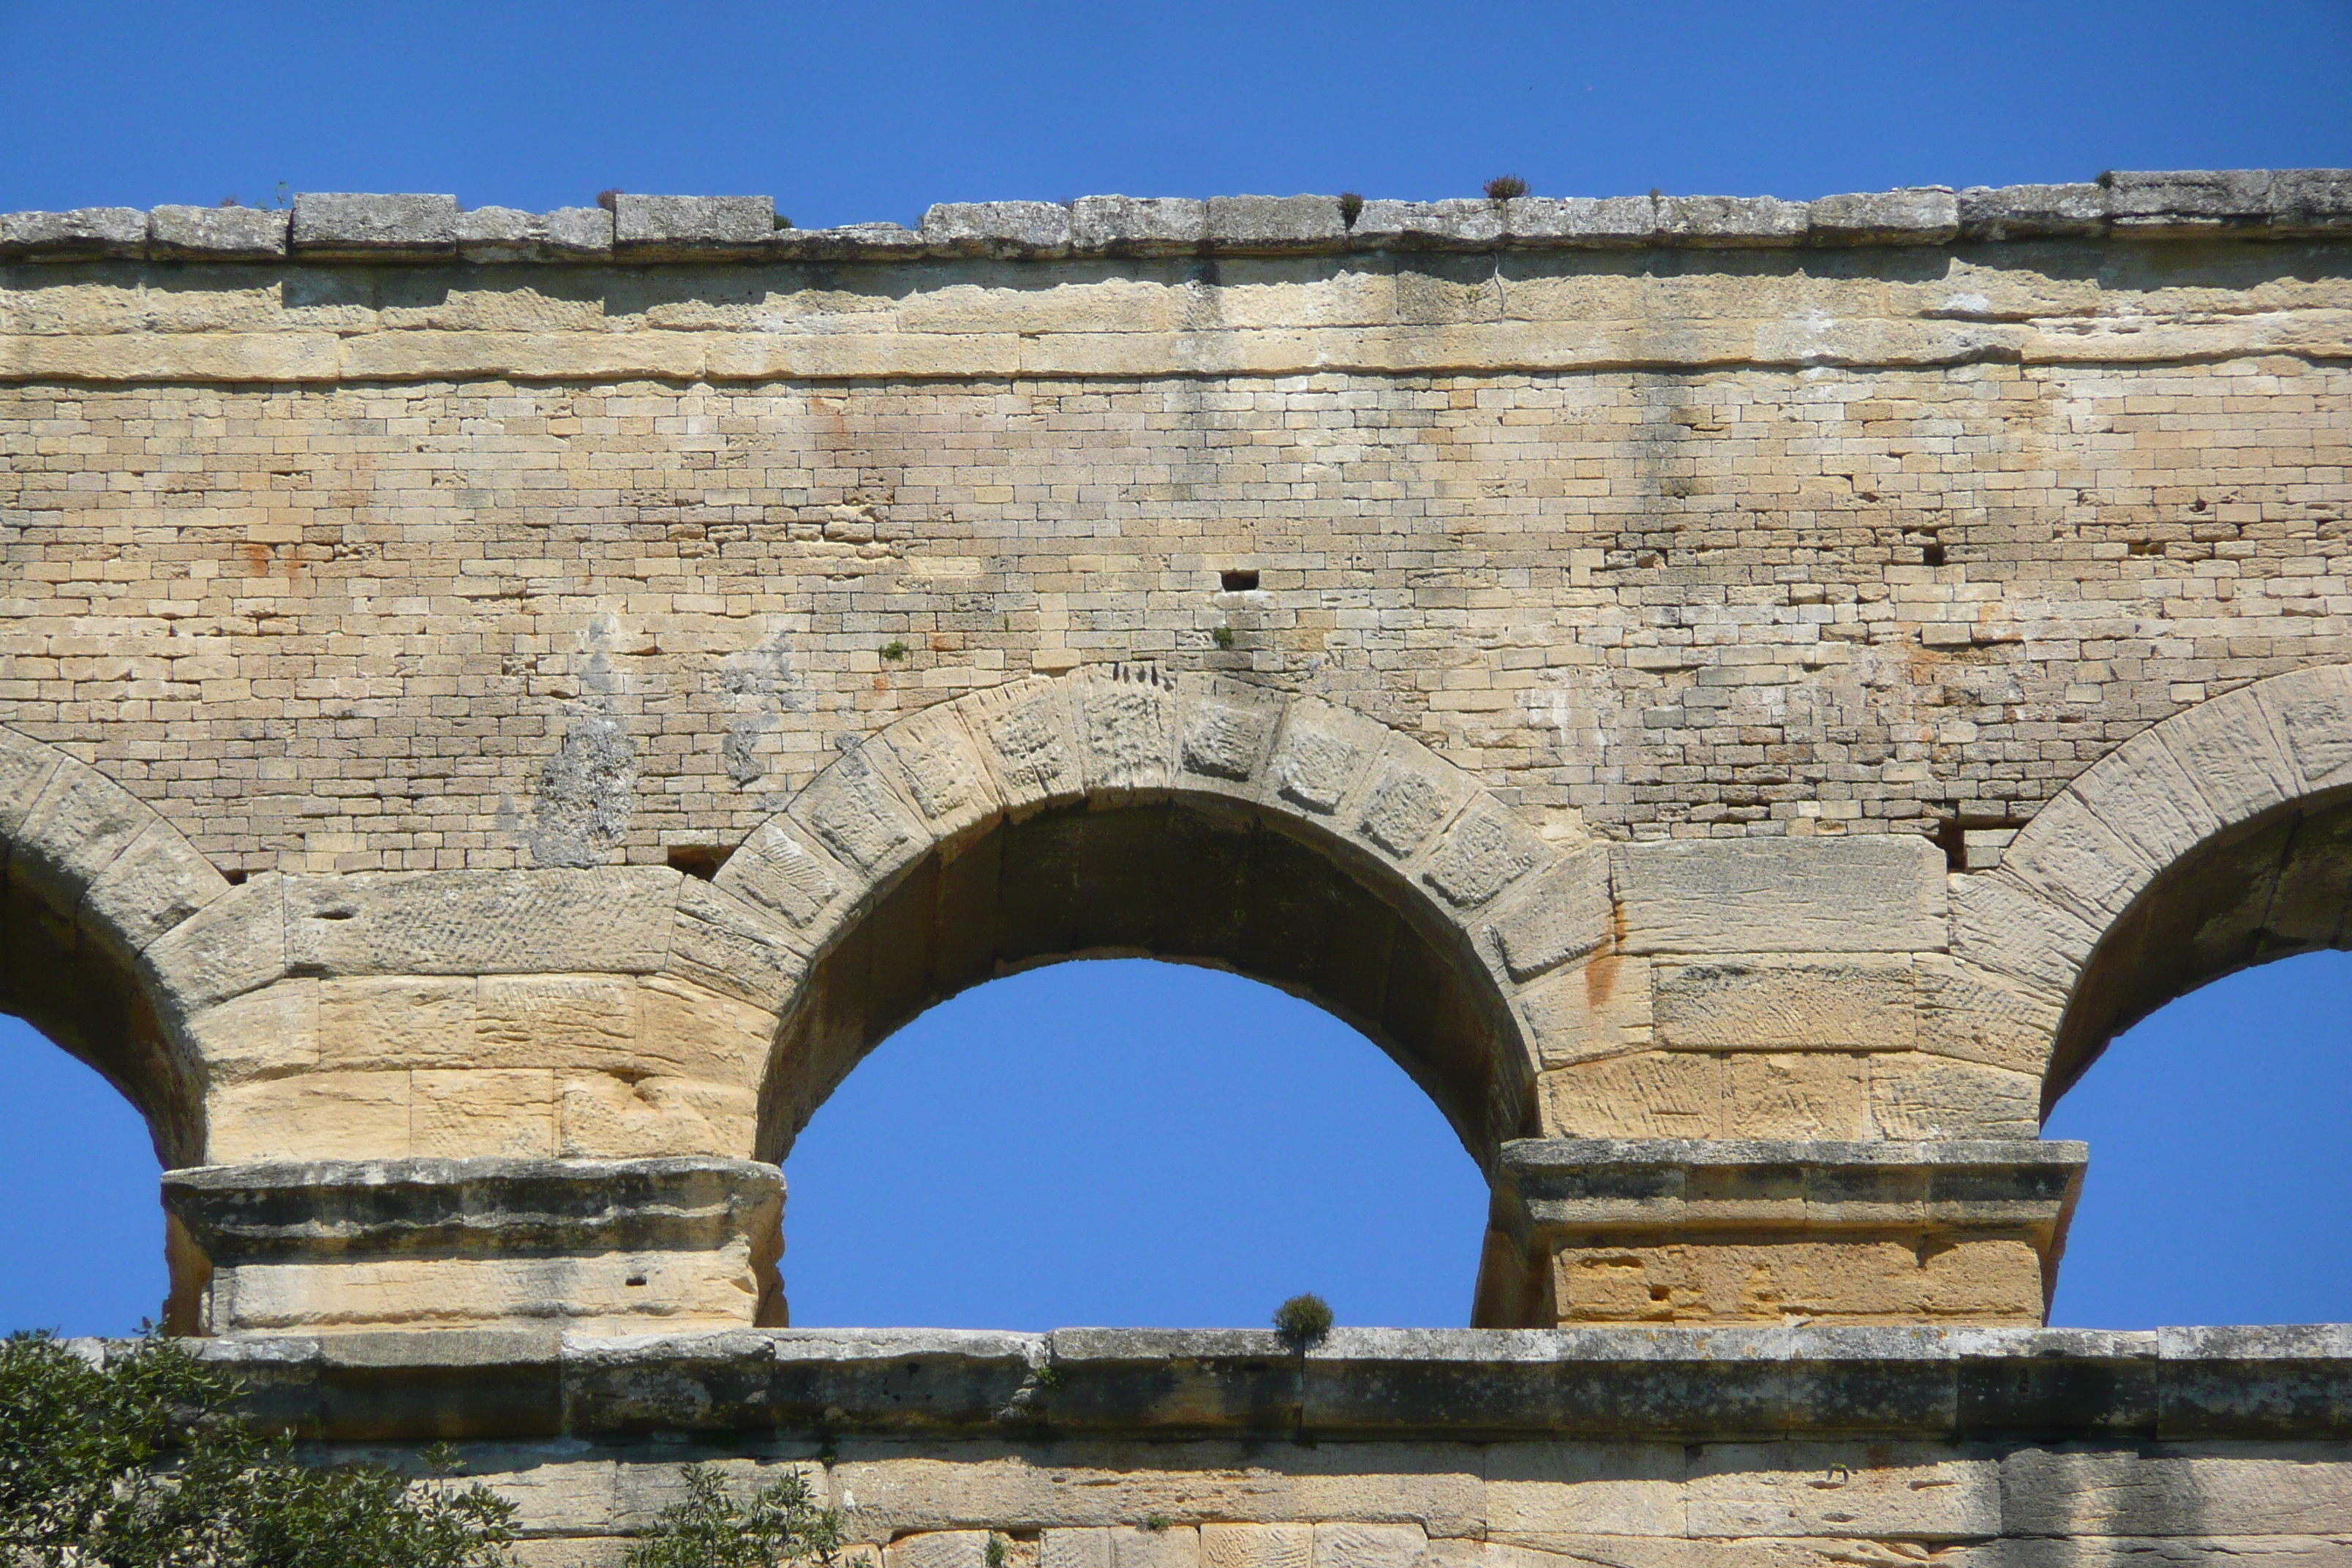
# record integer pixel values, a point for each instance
(1304, 1321)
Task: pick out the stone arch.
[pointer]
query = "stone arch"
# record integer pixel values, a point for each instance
(2217, 839)
(95, 880)
(1126, 809)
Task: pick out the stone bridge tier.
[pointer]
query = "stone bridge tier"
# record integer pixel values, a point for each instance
(1741, 699)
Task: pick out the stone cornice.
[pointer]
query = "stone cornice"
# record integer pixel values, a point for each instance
(1359, 1384)
(2287, 204)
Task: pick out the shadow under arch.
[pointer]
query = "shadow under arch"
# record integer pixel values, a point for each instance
(1128, 811)
(2215, 840)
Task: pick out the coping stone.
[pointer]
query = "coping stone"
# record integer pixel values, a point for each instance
(671, 228)
(75, 236)
(505, 233)
(1019, 230)
(1277, 226)
(1458, 224)
(1139, 226)
(1925, 215)
(1731, 221)
(2032, 211)
(218, 234)
(2311, 202)
(1600, 222)
(2188, 202)
(375, 227)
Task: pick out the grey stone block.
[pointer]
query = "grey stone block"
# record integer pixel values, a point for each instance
(666, 228)
(337, 224)
(1428, 226)
(2032, 211)
(1925, 215)
(1731, 221)
(1600, 222)
(1880, 893)
(1012, 229)
(2188, 203)
(217, 234)
(852, 242)
(504, 233)
(1130, 226)
(2315, 201)
(1243, 226)
(75, 236)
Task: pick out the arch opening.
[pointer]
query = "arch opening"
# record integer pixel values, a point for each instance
(1129, 1144)
(1192, 878)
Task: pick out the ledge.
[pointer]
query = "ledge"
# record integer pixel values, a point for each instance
(1465, 1384)
(2247, 204)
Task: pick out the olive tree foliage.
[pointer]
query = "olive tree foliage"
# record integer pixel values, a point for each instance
(782, 1524)
(140, 1461)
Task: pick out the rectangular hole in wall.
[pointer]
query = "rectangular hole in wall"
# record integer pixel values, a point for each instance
(701, 861)
(1237, 581)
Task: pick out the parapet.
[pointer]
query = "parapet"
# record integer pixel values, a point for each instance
(2239, 203)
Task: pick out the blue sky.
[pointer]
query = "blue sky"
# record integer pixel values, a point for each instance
(1130, 1144)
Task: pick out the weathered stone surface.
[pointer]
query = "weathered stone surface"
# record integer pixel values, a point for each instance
(1602, 1008)
(666, 227)
(1016, 229)
(70, 235)
(374, 226)
(1924, 215)
(503, 234)
(1883, 893)
(72, 832)
(217, 234)
(157, 881)
(1458, 224)
(1602, 221)
(1734, 221)
(1275, 225)
(1562, 915)
(617, 919)
(2032, 212)
(1864, 1003)
(1917, 1094)
(1129, 225)
(235, 943)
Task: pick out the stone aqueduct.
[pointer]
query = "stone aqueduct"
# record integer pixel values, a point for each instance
(1742, 699)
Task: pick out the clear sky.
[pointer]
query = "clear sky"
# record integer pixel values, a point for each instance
(1139, 1144)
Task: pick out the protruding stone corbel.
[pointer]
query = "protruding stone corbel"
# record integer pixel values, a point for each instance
(1692, 1231)
(598, 1246)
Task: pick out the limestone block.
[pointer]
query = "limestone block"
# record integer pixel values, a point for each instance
(1998, 924)
(938, 1549)
(700, 1034)
(2181, 1491)
(2032, 212)
(1483, 852)
(1772, 1003)
(1129, 225)
(1227, 730)
(74, 236)
(1926, 215)
(1322, 753)
(1543, 1494)
(2225, 748)
(269, 1032)
(26, 766)
(1127, 718)
(613, 918)
(561, 1020)
(314, 1116)
(1256, 1545)
(625, 1115)
(1012, 229)
(936, 765)
(1175, 1546)
(777, 869)
(1457, 225)
(850, 242)
(612, 1292)
(80, 823)
(216, 234)
(2311, 711)
(1275, 225)
(1807, 1094)
(155, 883)
(1972, 1015)
(2187, 202)
(1914, 1095)
(1843, 1281)
(1350, 1545)
(2141, 794)
(1916, 1492)
(1602, 1008)
(1730, 221)
(1073, 1549)
(2070, 857)
(853, 812)
(456, 1113)
(1028, 743)
(1881, 893)
(234, 944)
(668, 228)
(729, 944)
(397, 1021)
(375, 228)
(2310, 202)
(1655, 1094)
(1413, 795)
(503, 234)
(1554, 918)
(1609, 222)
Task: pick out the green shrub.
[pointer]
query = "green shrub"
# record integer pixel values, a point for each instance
(1304, 1320)
(1351, 207)
(1506, 188)
(894, 649)
(781, 1523)
(143, 1463)
(1223, 636)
